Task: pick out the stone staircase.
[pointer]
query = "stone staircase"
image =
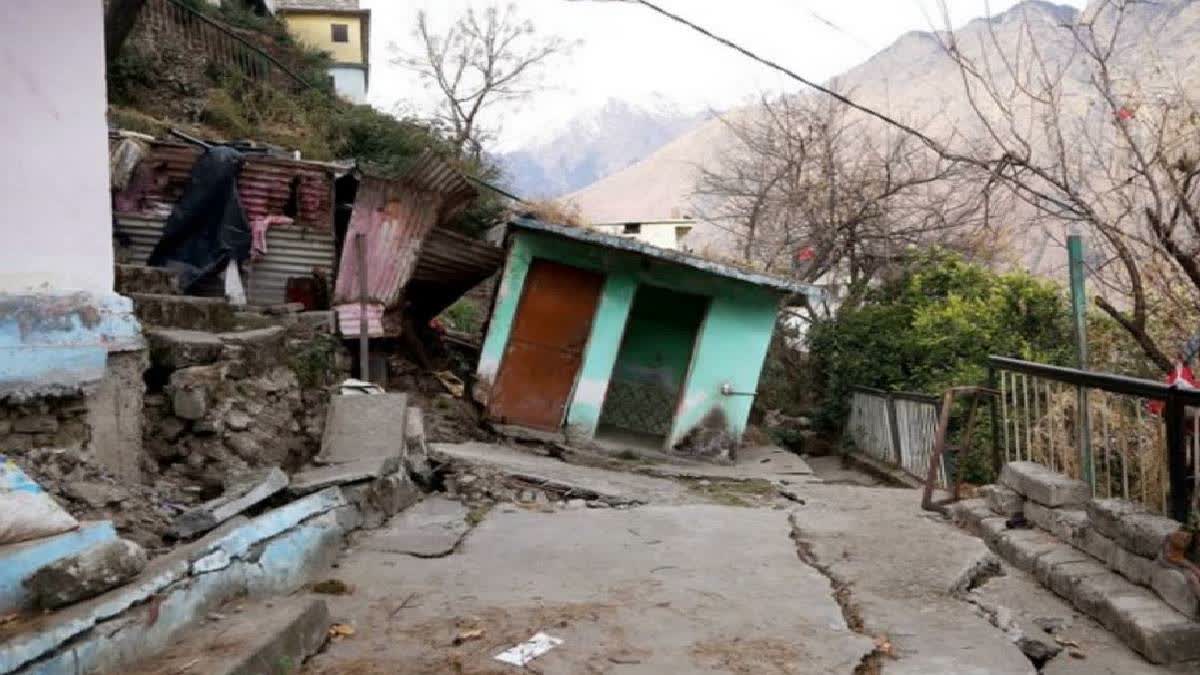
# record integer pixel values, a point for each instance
(1101, 555)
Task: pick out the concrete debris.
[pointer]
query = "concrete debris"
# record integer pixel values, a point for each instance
(244, 492)
(382, 498)
(19, 561)
(342, 474)
(86, 574)
(1003, 501)
(274, 637)
(358, 427)
(431, 529)
(529, 650)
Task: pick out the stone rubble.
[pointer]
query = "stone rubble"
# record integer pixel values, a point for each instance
(86, 574)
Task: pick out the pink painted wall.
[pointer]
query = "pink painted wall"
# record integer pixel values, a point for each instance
(55, 223)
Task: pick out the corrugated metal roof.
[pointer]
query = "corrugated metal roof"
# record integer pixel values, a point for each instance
(396, 216)
(265, 185)
(597, 238)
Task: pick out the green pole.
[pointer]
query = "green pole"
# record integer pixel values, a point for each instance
(1079, 310)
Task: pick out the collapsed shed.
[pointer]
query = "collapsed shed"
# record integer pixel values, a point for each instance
(608, 339)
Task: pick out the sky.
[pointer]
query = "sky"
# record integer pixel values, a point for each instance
(630, 53)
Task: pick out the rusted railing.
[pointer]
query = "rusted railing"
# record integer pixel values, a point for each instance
(1141, 439)
(218, 42)
(898, 428)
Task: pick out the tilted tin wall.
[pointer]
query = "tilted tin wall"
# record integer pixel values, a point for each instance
(730, 347)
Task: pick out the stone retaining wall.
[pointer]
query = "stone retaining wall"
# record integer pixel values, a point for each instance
(1103, 555)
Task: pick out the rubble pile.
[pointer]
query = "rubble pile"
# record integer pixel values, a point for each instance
(51, 421)
(230, 402)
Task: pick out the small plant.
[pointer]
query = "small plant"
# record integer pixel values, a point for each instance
(314, 363)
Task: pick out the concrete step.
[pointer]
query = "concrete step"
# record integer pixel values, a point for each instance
(183, 311)
(142, 279)
(174, 348)
(272, 637)
(1142, 618)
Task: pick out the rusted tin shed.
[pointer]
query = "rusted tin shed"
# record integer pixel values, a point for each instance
(267, 186)
(402, 221)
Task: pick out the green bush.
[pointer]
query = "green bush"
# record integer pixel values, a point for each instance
(933, 326)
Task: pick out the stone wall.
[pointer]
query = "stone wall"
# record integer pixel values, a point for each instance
(1108, 557)
(223, 403)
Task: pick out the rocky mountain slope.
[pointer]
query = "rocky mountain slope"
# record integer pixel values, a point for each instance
(915, 80)
(596, 143)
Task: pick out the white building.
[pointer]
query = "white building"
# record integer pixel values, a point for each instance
(668, 234)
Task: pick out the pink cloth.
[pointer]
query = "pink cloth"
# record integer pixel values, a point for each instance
(258, 234)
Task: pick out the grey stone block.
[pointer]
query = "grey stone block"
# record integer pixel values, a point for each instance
(1095, 544)
(361, 426)
(241, 495)
(1092, 595)
(1130, 525)
(968, 513)
(1066, 524)
(380, 499)
(86, 574)
(1048, 488)
(1060, 556)
(1022, 548)
(1065, 577)
(1171, 585)
(1003, 500)
(343, 474)
(990, 529)
(1154, 630)
(1133, 567)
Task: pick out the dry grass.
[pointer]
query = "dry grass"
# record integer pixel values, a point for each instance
(1128, 442)
(558, 213)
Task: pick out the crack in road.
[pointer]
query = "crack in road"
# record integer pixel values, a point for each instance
(976, 576)
(870, 663)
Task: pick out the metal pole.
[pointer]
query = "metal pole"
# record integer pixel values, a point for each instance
(364, 354)
(994, 413)
(1079, 309)
(1177, 459)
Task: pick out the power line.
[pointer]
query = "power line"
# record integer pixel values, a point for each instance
(793, 75)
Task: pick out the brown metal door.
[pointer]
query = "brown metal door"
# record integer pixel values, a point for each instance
(545, 349)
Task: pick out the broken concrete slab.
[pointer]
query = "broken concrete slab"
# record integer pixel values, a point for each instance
(382, 498)
(86, 574)
(274, 637)
(24, 642)
(362, 426)
(1131, 525)
(19, 561)
(174, 348)
(1046, 487)
(242, 494)
(1002, 500)
(236, 544)
(342, 474)
(431, 529)
(258, 349)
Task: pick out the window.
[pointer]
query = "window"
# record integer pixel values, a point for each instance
(632, 228)
(340, 32)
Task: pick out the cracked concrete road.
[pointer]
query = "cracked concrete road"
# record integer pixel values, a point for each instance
(656, 589)
(681, 587)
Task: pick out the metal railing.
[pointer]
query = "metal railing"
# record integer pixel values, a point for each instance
(898, 428)
(1129, 438)
(221, 44)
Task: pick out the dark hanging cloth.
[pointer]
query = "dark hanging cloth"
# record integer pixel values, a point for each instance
(207, 228)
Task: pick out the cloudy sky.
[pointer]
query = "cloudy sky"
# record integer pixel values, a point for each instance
(628, 52)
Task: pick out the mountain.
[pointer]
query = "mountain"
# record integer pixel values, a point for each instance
(593, 144)
(915, 81)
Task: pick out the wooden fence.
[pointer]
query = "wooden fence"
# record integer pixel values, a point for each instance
(898, 428)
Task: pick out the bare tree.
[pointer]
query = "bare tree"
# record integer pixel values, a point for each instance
(811, 190)
(1120, 162)
(484, 59)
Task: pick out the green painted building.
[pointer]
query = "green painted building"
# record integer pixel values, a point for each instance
(605, 338)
